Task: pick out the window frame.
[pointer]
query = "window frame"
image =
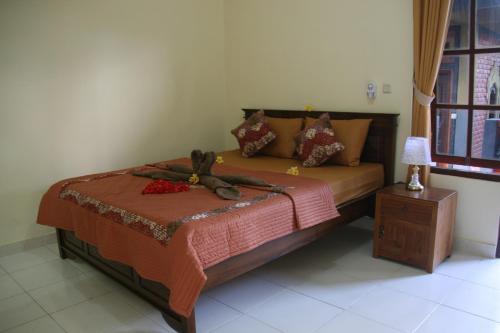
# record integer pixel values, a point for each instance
(471, 51)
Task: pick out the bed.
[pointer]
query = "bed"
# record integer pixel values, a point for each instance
(354, 190)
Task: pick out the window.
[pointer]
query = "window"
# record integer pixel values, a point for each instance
(466, 110)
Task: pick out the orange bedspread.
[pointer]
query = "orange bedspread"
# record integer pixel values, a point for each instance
(109, 212)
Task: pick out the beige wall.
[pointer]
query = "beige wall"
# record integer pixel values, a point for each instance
(478, 208)
(88, 86)
(289, 53)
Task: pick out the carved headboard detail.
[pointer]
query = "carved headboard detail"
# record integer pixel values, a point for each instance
(380, 146)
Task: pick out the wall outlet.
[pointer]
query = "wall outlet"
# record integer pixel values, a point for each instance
(386, 88)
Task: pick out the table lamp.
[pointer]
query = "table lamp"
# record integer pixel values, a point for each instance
(416, 152)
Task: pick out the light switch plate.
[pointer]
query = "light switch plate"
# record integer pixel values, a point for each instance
(386, 88)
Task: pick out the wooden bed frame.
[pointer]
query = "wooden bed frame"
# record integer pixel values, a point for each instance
(380, 147)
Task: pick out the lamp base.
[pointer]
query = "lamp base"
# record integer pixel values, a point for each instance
(414, 184)
(415, 187)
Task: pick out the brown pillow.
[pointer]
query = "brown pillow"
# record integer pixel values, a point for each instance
(285, 129)
(352, 134)
(317, 143)
(253, 134)
(309, 121)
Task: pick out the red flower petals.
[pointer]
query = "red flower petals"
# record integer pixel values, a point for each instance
(160, 186)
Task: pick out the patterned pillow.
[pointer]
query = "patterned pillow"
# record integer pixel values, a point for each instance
(317, 143)
(253, 134)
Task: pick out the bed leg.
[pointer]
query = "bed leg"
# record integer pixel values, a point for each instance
(62, 253)
(180, 324)
(189, 323)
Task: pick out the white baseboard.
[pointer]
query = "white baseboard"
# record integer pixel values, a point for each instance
(475, 248)
(27, 244)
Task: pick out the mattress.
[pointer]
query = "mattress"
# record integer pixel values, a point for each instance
(347, 182)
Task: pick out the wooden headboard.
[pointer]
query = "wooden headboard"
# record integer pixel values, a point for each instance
(380, 146)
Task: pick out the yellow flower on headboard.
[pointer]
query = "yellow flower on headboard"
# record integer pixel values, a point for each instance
(308, 107)
(194, 179)
(219, 160)
(294, 171)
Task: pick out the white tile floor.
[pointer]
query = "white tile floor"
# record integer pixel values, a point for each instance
(333, 285)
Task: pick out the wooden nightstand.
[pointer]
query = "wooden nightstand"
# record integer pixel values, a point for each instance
(414, 227)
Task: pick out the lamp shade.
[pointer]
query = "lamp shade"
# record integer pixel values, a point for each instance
(416, 151)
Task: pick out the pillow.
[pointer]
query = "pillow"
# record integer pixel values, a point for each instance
(285, 130)
(253, 134)
(317, 143)
(352, 133)
(310, 121)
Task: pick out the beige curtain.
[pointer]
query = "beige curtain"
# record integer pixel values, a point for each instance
(430, 26)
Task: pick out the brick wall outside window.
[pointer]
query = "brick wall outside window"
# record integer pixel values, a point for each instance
(485, 64)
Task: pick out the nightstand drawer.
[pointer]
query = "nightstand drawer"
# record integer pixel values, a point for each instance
(415, 211)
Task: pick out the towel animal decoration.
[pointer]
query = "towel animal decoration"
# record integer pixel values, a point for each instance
(201, 172)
